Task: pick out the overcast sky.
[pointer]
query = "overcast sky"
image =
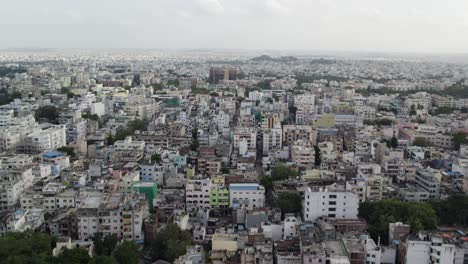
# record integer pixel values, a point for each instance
(343, 25)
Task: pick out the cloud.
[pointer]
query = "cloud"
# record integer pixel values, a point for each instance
(184, 14)
(331, 4)
(75, 16)
(373, 14)
(213, 7)
(276, 7)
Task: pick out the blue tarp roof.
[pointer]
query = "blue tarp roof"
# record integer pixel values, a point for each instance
(52, 154)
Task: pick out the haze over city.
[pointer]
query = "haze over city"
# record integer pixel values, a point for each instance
(234, 131)
(421, 26)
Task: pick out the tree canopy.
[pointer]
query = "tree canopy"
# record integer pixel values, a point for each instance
(49, 113)
(317, 156)
(68, 150)
(132, 126)
(394, 142)
(283, 172)
(420, 216)
(289, 202)
(171, 242)
(74, 256)
(104, 245)
(127, 253)
(421, 142)
(27, 247)
(36, 248)
(453, 211)
(459, 138)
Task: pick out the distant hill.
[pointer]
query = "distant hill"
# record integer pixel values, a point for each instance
(278, 59)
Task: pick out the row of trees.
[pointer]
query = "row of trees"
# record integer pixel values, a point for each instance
(122, 133)
(420, 216)
(453, 211)
(34, 247)
(11, 71)
(6, 98)
(48, 113)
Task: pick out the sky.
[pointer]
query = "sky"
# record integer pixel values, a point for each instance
(422, 26)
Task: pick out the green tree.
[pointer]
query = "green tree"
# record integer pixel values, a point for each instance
(195, 144)
(156, 157)
(443, 110)
(317, 156)
(379, 214)
(282, 172)
(136, 124)
(90, 116)
(173, 83)
(103, 260)
(6, 97)
(459, 139)
(68, 150)
(413, 110)
(49, 113)
(26, 247)
(77, 255)
(110, 242)
(421, 142)
(394, 142)
(267, 182)
(98, 244)
(171, 242)
(224, 170)
(289, 202)
(127, 253)
(453, 211)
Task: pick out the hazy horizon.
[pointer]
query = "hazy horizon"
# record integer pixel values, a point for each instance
(416, 26)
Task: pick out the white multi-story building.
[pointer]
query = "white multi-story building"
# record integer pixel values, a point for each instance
(426, 180)
(8, 140)
(15, 161)
(6, 117)
(247, 135)
(305, 102)
(152, 172)
(430, 249)
(197, 194)
(331, 203)
(128, 144)
(291, 227)
(366, 112)
(119, 214)
(272, 139)
(302, 154)
(420, 101)
(246, 195)
(48, 137)
(12, 183)
(98, 109)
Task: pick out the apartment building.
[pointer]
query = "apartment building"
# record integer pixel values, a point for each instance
(119, 214)
(197, 194)
(246, 195)
(338, 204)
(12, 183)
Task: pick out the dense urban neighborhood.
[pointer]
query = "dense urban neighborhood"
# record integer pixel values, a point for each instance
(200, 156)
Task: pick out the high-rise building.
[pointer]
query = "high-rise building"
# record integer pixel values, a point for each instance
(222, 74)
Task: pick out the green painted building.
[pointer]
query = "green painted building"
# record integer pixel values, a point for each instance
(219, 197)
(150, 189)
